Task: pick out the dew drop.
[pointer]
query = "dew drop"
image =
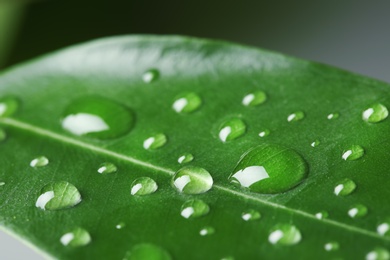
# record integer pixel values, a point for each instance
(120, 225)
(8, 106)
(2, 183)
(3, 135)
(344, 187)
(150, 75)
(353, 153)
(187, 103)
(40, 161)
(322, 214)
(297, 116)
(251, 215)
(192, 180)
(333, 116)
(254, 99)
(231, 129)
(185, 158)
(357, 211)
(383, 229)
(206, 231)
(147, 252)
(156, 141)
(331, 246)
(378, 253)
(58, 195)
(143, 186)
(285, 234)
(106, 168)
(315, 143)
(194, 209)
(76, 238)
(375, 113)
(264, 133)
(97, 117)
(269, 169)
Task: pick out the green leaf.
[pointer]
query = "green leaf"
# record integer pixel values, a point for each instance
(286, 158)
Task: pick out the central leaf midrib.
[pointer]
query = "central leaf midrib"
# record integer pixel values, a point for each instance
(43, 132)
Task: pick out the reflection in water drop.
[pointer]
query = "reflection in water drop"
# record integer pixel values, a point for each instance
(206, 231)
(353, 153)
(254, 99)
(76, 238)
(285, 234)
(147, 252)
(106, 168)
(194, 209)
(375, 113)
(231, 129)
(40, 161)
(185, 158)
(297, 116)
(269, 169)
(357, 211)
(251, 215)
(192, 180)
(378, 253)
(344, 187)
(150, 75)
(58, 195)
(332, 246)
(187, 103)
(154, 142)
(143, 186)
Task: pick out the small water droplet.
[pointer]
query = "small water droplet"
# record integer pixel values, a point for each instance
(331, 246)
(251, 215)
(315, 143)
(58, 195)
(194, 209)
(357, 211)
(107, 167)
(375, 113)
(97, 117)
(40, 161)
(154, 142)
(2, 183)
(206, 231)
(264, 133)
(231, 129)
(185, 158)
(150, 75)
(254, 99)
(76, 238)
(143, 186)
(285, 234)
(3, 135)
(187, 103)
(192, 180)
(120, 225)
(383, 228)
(333, 116)
(269, 169)
(8, 106)
(322, 214)
(344, 187)
(147, 252)
(353, 153)
(378, 253)
(297, 116)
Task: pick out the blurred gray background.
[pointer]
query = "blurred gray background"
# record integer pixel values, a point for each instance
(350, 34)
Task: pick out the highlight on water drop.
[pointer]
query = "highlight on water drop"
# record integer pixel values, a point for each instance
(76, 238)
(8, 106)
(296, 116)
(185, 158)
(254, 99)
(58, 195)
(357, 211)
(192, 180)
(194, 209)
(143, 186)
(251, 215)
(375, 113)
(285, 234)
(354, 152)
(187, 103)
(231, 129)
(106, 168)
(155, 142)
(344, 187)
(150, 75)
(206, 231)
(39, 161)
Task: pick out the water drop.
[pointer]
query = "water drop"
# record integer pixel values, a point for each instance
(58, 195)
(106, 168)
(264, 133)
(154, 142)
(315, 143)
(185, 158)
(331, 246)
(251, 215)
(150, 75)
(3, 135)
(353, 153)
(285, 234)
(254, 99)
(143, 186)
(120, 225)
(297, 116)
(76, 238)
(333, 116)
(383, 229)
(192, 180)
(231, 129)
(194, 209)
(269, 169)
(344, 187)
(98, 118)
(2, 183)
(357, 211)
(375, 113)
(187, 103)
(8, 106)
(322, 214)
(39, 161)
(206, 231)
(147, 252)
(378, 253)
